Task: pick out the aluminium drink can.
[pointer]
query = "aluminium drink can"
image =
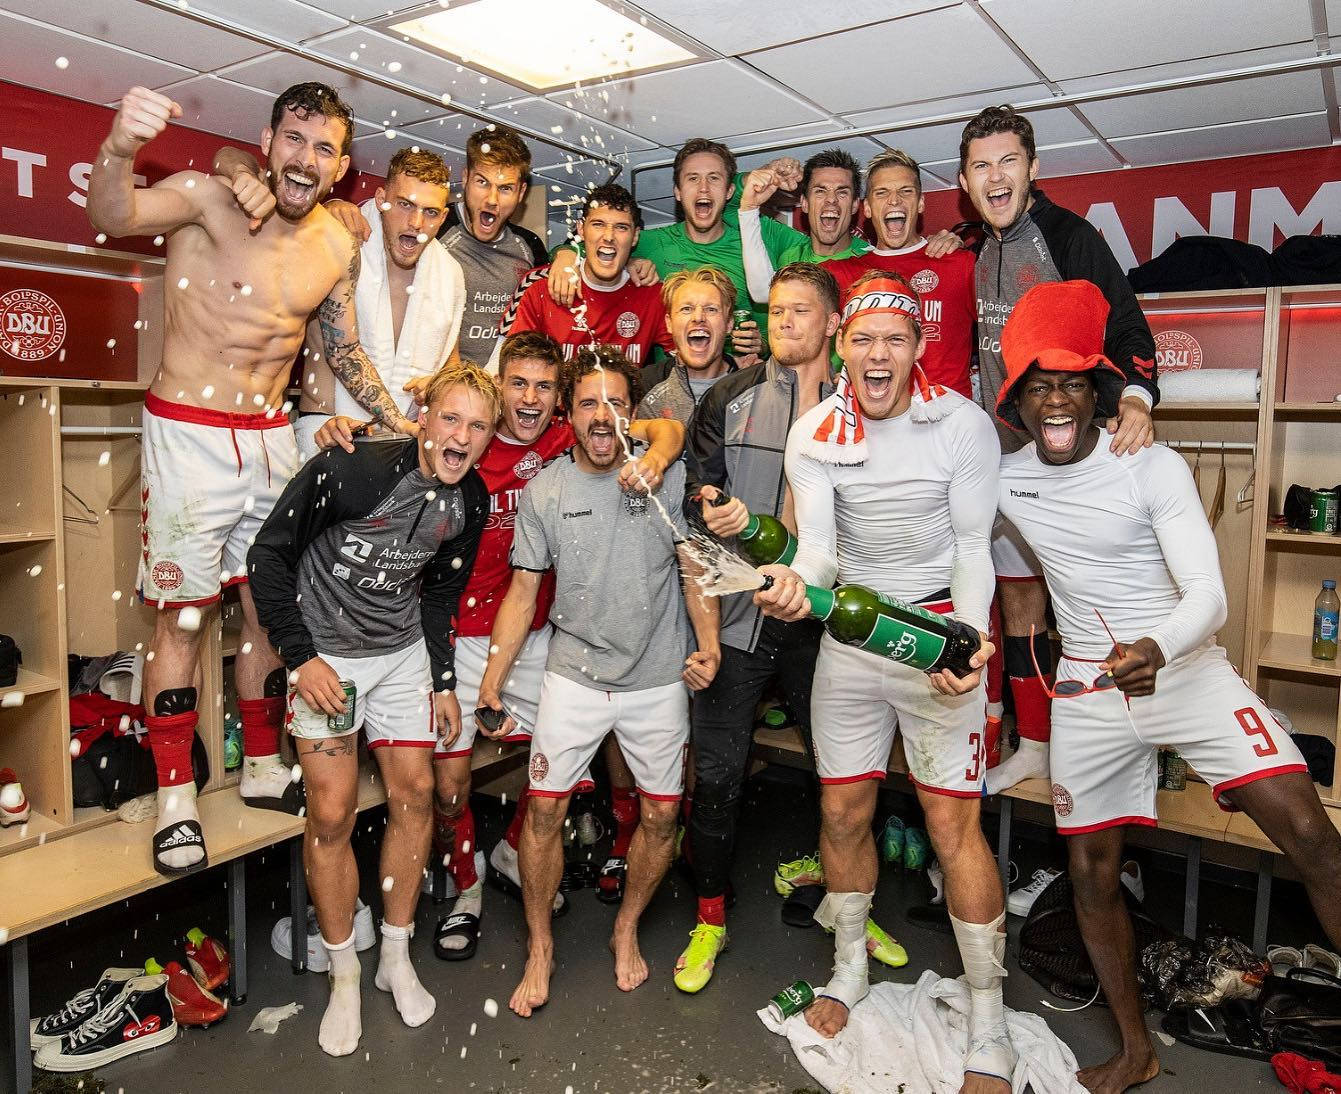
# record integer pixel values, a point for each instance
(792, 1000)
(343, 723)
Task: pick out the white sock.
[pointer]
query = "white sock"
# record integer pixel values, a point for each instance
(1030, 761)
(342, 1024)
(846, 914)
(396, 975)
(471, 901)
(264, 777)
(177, 804)
(503, 858)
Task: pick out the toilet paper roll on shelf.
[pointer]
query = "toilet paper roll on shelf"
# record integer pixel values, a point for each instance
(1211, 385)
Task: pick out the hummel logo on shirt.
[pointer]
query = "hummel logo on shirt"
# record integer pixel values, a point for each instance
(1024, 494)
(579, 513)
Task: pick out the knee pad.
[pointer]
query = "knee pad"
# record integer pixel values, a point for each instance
(174, 701)
(276, 685)
(1019, 663)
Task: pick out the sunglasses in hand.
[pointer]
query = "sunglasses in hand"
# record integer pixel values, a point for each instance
(1071, 689)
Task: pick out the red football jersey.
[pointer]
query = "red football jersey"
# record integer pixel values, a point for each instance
(631, 317)
(506, 468)
(949, 305)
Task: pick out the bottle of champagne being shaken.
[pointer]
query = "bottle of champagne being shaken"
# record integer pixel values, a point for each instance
(859, 616)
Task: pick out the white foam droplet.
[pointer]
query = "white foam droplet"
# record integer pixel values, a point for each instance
(100, 238)
(111, 343)
(296, 773)
(456, 564)
(62, 62)
(394, 66)
(158, 241)
(188, 619)
(33, 571)
(207, 392)
(246, 648)
(388, 883)
(104, 458)
(116, 594)
(181, 284)
(245, 290)
(491, 1008)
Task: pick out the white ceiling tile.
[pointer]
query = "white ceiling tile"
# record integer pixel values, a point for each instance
(358, 10)
(670, 106)
(286, 20)
(582, 174)
(665, 206)
(1221, 141)
(1076, 158)
(373, 153)
(738, 28)
(655, 218)
(1052, 125)
(574, 127)
(1191, 107)
(863, 69)
(930, 144)
(220, 106)
(97, 72)
(655, 185)
(126, 23)
(1062, 36)
(276, 71)
(395, 59)
(860, 148)
(1193, 66)
(1333, 9)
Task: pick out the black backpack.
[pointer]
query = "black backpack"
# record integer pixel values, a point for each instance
(1204, 262)
(1052, 950)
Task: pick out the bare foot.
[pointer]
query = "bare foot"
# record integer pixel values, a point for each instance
(983, 1084)
(630, 968)
(533, 991)
(1120, 1073)
(827, 1017)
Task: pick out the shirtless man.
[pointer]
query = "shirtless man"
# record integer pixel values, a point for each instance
(218, 448)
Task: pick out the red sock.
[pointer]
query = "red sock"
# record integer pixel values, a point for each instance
(513, 835)
(170, 737)
(712, 910)
(996, 664)
(461, 864)
(624, 805)
(1033, 718)
(261, 722)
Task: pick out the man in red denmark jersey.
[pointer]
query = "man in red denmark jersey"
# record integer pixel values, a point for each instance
(944, 281)
(609, 308)
(529, 436)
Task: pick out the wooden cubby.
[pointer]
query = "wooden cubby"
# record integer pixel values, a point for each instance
(1272, 574)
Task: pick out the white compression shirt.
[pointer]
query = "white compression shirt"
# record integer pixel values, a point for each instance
(1126, 535)
(915, 517)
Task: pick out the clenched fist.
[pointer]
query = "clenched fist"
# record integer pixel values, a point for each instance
(143, 115)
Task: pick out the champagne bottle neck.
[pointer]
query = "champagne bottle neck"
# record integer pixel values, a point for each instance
(821, 601)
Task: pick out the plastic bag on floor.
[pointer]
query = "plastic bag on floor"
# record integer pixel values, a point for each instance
(267, 1019)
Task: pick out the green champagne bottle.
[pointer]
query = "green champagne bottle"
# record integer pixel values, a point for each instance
(765, 540)
(861, 617)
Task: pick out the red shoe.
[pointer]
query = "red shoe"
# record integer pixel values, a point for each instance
(192, 1005)
(207, 958)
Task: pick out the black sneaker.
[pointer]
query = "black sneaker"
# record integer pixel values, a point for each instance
(137, 1019)
(87, 1003)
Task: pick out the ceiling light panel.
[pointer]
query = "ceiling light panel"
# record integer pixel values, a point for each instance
(543, 44)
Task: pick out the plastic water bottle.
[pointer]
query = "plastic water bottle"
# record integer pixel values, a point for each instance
(1325, 611)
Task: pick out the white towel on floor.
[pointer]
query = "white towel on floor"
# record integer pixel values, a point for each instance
(432, 320)
(916, 1035)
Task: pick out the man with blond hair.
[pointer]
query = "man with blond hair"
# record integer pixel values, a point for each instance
(699, 304)
(356, 577)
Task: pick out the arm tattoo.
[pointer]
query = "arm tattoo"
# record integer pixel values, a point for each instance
(347, 358)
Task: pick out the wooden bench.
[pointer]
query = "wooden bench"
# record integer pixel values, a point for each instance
(60, 879)
(1191, 812)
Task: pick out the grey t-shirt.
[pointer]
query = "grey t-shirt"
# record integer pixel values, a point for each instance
(359, 579)
(492, 273)
(619, 614)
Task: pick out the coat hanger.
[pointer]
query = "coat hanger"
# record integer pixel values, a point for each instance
(89, 515)
(1217, 509)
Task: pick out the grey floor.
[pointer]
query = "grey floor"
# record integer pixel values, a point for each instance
(590, 1037)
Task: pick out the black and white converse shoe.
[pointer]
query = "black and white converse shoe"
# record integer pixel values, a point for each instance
(84, 1005)
(135, 1020)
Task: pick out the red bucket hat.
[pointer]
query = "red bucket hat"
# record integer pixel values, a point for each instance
(1058, 326)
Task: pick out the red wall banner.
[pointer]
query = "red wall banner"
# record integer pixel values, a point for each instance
(1141, 210)
(47, 143)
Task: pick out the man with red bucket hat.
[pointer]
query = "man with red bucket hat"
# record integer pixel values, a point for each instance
(1132, 568)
